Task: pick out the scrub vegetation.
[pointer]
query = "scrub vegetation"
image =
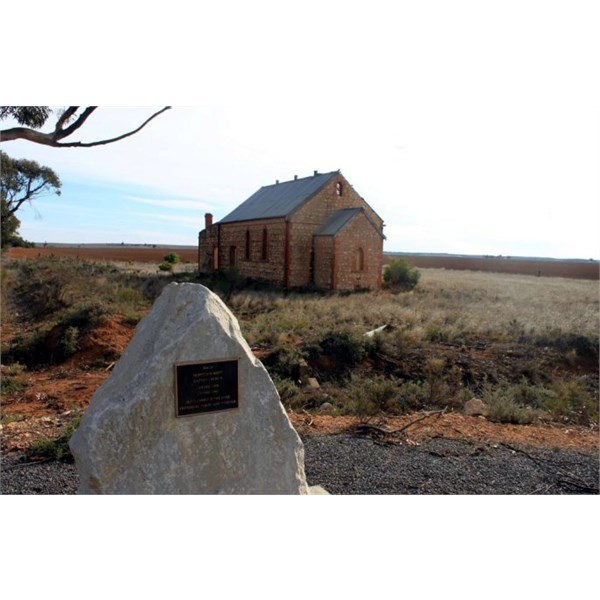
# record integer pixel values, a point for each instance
(526, 346)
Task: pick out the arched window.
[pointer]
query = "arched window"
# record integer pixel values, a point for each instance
(265, 245)
(359, 264)
(338, 188)
(247, 244)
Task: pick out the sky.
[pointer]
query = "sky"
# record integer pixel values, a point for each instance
(469, 180)
(468, 130)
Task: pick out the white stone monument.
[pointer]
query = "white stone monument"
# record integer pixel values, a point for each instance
(172, 419)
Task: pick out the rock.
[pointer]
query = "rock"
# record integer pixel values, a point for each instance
(313, 383)
(131, 442)
(303, 369)
(475, 407)
(326, 407)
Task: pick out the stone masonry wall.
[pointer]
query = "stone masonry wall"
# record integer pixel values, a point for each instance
(358, 234)
(309, 217)
(255, 266)
(323, 261)
(207, 241)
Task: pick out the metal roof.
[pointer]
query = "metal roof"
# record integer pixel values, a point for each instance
(337, 221)
(278, 200)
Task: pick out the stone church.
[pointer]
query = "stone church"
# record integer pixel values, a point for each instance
(312, 231)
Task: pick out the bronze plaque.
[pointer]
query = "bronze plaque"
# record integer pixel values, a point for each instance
(206, 387)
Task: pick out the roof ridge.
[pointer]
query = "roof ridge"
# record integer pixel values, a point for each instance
(301, 178)
(279, 199)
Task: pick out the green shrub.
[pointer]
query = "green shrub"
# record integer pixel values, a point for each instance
(283, 362)
(14, 370)
(373, 395)
(523, 402)
(27, 349)
(12, 385)
(129, 296)
(165, 266)
(573, 401)
(503, 409)
(399, 275)
(68, 343)
(55, 448)
(412, 395)
(84, 316)
(172, 258)
(289, 392)
(346, 347)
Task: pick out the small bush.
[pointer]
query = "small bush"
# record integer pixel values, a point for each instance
(12, 385)
(129, 296)
(165, 266)
(84, 316)
(172, 258)
(289, 392)
(27, 349)
(573, 401)
(14, 370)
(68, 343)
(55, 448)
(347, 348)
(399, 275)
(412, 396)
(503, 409)
(371, 396)
(283, 362)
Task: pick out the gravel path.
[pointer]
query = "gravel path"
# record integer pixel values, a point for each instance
(345, 464)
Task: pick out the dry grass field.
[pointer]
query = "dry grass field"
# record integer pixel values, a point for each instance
(573, 269)
(527, 346)
(453, 306)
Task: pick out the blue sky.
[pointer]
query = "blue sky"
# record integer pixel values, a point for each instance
(469, 128)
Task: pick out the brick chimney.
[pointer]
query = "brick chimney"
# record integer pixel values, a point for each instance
(208, 220)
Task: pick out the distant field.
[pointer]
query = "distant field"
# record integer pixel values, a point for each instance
(148, 254)
(573, 269)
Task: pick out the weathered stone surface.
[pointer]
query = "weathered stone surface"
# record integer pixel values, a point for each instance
(475, 407)
(130, 442)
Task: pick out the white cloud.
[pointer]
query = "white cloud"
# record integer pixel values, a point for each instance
(184, 221)
(190, 205)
